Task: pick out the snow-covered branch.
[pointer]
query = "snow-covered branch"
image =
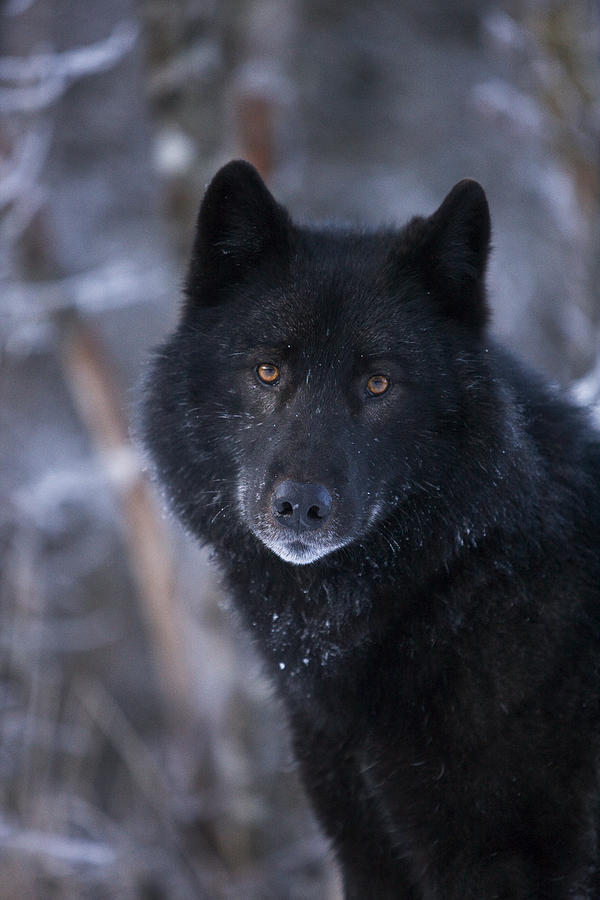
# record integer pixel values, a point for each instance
(59, 847)
(16, 7)
(20, 171)
(39, 80)
(20, 193)
(29, 310)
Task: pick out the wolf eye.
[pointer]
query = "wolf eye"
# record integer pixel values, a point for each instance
(377, 385)
(267, 373)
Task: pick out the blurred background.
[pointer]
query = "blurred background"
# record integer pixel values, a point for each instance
(142, 755)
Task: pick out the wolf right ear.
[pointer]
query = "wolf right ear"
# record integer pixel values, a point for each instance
(238, 224)
(450, 250)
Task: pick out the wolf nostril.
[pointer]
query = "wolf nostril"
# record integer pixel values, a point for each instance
(315, 512)
(301, 505)
(284, 508)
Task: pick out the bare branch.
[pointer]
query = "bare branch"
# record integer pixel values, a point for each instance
(89, 378)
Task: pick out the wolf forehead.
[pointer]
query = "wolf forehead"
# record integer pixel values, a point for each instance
(351, 305)
(336, 288)
(248, 255)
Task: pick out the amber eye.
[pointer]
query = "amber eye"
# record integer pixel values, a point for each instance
(377, 385)
(268, 373)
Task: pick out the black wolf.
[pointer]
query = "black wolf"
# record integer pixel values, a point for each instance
(409, 522)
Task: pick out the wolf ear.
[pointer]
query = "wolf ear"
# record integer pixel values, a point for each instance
(239, 223)
(453, 251)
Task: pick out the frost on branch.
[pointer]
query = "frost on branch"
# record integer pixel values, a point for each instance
(37, 81)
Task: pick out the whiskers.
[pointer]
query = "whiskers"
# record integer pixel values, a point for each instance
(387, 531)
(207, 415)
(224, 508)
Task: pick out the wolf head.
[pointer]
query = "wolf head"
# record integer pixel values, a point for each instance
(321, 380)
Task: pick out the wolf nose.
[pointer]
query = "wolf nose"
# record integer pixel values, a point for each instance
(301, 506)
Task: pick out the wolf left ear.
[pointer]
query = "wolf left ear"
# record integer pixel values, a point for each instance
(452, 253)
(239, 223)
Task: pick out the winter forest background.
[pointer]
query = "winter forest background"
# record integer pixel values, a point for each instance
(141, 753)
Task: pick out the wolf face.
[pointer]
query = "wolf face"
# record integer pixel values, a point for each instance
(321, 351)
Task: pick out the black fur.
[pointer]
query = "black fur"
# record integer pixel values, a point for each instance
(436, 639)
